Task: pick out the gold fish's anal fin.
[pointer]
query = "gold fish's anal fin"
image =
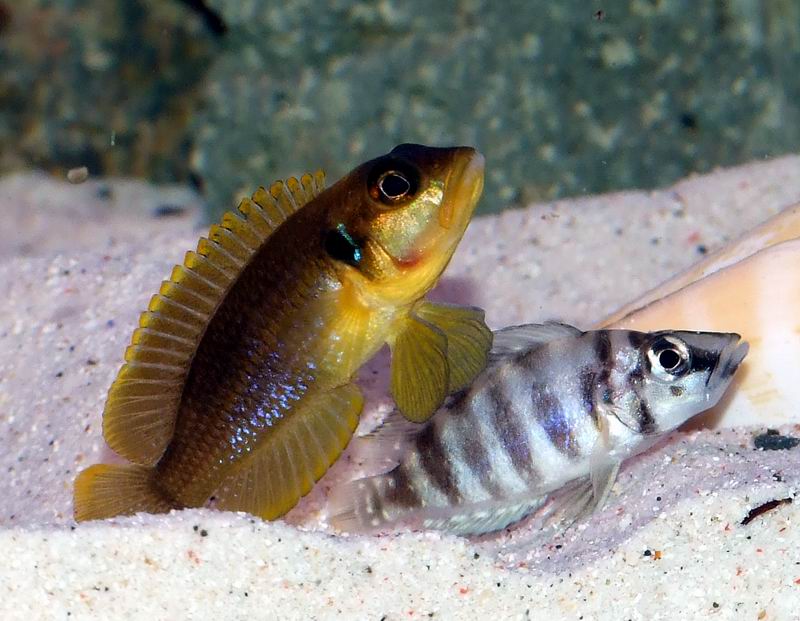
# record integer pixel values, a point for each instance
(104, 491)
(468, 339)
(298, 452)
(420, 378)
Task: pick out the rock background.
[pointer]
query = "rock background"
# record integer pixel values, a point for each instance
(564, 99)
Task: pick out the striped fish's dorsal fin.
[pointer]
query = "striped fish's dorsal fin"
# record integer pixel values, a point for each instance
(516, 339)
(142, 403)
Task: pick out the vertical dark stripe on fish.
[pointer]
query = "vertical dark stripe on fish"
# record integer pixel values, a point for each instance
(647, 423)
(511, 432)
(554, 422)
(704, 359)
(588, 384)
(435, 462)
(635, 376)
(476, 458)
(636, 339)
(602, 348)
(402, 492)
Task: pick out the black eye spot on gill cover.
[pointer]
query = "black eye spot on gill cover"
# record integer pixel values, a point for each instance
(341, 246)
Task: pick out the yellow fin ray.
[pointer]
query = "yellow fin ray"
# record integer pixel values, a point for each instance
(197, 282)
(229, 243)
(229, 263)
(188, 296)
(207, 269)
(468, 339)
(104, 491)
(286, 465)
(420, 378)
(154, 355)
(142, 404)
(242, 230)
(147, 337)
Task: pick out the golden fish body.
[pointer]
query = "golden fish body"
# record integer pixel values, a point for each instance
(238, 382)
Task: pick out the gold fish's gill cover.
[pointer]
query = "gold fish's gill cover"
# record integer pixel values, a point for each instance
(238, 382)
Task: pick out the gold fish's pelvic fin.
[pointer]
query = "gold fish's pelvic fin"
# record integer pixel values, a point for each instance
(301, 449)
(103, 491)
(142, 403)
(439, 350)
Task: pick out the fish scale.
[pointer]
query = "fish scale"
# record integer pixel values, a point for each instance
(555, 407)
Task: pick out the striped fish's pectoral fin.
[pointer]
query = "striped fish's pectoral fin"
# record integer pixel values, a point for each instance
(602, 478)
(287, 462)
(517, 339)
(143, 402)
(419, 373)
(578, 501)
(468, 339)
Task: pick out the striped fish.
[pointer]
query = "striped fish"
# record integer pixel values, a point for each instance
(555, 407)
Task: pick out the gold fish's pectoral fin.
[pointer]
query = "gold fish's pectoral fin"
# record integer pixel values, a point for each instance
(104, 491)
(468, 339)
(420, 375)
(290, 460)
(142, 403)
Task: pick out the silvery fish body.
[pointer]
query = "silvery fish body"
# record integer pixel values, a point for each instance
(554, 406)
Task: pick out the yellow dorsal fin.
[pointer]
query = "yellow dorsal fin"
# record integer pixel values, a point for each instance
(143, 401)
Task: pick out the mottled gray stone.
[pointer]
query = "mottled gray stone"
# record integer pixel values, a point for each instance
(562, 99)
(106, 84)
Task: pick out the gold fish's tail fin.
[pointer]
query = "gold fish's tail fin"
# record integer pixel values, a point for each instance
(105, 490)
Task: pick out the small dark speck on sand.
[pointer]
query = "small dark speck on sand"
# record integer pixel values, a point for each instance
(701, 249)
(772, 440)
(763, 508)
(168, 211)
(104, 192)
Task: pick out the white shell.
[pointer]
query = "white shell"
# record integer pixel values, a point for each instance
(752, 286)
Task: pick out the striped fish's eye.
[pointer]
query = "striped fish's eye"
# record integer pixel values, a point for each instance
(341, 246)
(669, 357)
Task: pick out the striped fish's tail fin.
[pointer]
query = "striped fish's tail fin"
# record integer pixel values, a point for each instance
(104, 491)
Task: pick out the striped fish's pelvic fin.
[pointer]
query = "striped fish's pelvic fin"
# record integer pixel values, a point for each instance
(483, 518)
(142, 404)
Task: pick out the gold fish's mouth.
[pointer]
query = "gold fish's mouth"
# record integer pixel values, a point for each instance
(466, 179)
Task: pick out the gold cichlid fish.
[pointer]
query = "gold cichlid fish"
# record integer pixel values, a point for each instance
(238, 383)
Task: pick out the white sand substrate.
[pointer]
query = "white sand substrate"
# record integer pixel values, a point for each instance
(670, 544)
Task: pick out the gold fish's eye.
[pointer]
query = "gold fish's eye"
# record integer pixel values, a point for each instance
(341, 246)
(669, 356)
(393, 185)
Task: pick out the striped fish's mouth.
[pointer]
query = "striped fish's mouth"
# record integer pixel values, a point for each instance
(730, 358)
